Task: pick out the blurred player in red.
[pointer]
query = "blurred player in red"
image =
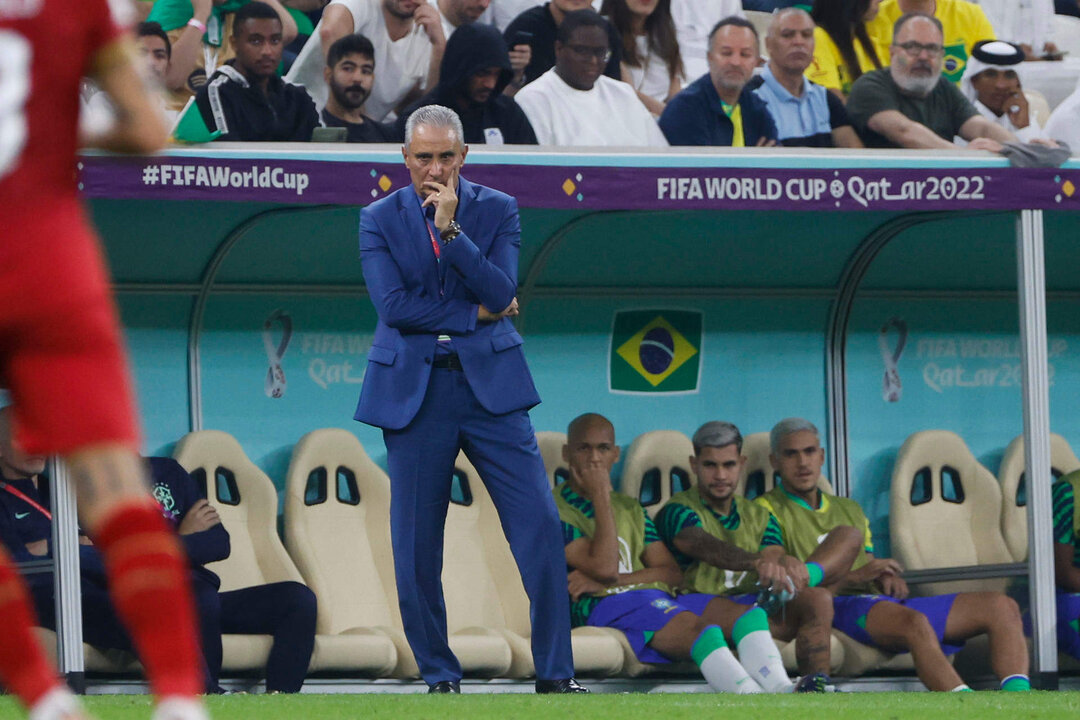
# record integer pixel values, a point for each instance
(60, 348)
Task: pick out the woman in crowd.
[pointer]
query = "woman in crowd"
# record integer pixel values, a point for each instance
(843, 49)
(651, 60)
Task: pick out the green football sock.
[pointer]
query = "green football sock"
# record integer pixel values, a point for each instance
(1016, 683)
(816, 573)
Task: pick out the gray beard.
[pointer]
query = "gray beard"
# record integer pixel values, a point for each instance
(920, 87)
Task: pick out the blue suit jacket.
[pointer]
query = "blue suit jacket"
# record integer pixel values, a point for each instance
(403, 280)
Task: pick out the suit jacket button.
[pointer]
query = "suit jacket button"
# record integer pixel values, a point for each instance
(427, 360)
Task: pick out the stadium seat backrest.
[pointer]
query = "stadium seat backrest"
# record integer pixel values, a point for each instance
(945, 507)
(247, 503)
(472, 599)
(1014, 491)
(758, 476)
(656, 466)
(551, 447)
(1065, 33)
(760, 20)
(1038, 106)
(337, 529)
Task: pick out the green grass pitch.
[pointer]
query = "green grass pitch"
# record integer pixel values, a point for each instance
(663, 706)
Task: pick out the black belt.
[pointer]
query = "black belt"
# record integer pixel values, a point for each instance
(447, 362)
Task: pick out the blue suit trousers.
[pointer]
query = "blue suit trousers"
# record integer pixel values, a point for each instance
(504, 451)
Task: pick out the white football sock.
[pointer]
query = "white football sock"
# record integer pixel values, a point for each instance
(759, 654)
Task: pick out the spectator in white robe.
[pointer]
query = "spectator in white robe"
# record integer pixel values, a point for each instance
(992, 85)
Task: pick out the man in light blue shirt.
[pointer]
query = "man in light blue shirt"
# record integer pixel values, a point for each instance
(806, 114)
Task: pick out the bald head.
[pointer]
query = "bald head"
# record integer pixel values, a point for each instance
(582, 424)
(590, 446)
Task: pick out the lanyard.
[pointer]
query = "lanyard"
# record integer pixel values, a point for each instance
(434, 242)
(26, 499)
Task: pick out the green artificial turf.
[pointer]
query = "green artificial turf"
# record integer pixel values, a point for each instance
(664, 706)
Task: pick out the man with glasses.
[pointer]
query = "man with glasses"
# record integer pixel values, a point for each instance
(574, 103)
(963, 24)
(538, 27)
(910, 104)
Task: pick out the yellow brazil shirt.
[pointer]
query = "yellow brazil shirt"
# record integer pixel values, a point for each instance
(828, 67)
(734, 113)
(964, 23)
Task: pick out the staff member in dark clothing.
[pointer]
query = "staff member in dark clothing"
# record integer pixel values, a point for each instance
(350, 74)
(537, 27)
(473, 73)
(284, 610)
(246, 100)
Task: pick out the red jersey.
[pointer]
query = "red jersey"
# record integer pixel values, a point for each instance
(46, 47)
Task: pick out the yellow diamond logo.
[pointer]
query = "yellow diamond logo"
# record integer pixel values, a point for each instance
(1068, 188)
(656, 351)
(569, 187)
(384, 183)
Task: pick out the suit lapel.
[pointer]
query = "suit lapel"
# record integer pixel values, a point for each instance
(418, 240)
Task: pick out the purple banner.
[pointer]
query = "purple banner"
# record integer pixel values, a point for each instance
(591, 187)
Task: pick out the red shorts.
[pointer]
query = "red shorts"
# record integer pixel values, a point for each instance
(61, 355)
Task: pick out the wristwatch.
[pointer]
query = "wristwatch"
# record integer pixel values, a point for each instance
(452, 231)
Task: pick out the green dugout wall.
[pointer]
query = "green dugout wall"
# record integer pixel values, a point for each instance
(772, 275)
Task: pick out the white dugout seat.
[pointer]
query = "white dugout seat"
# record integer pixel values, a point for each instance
(655, 467)
(337, 530)
(551, 447)
(945, 510)
(246, 501)
(1014, 493)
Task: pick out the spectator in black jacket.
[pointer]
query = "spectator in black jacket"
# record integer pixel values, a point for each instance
(246, 100)
(473, 74)
(350, 74)
(537, 28)
(284, 610)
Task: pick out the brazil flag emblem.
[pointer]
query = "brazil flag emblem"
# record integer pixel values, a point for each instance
(655, 351)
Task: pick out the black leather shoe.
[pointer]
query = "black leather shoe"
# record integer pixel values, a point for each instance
(444, 686)
(568, 685)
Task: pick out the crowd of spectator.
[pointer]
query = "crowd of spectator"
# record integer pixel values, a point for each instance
(835, 73)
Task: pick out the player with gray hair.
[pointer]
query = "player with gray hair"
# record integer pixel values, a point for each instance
(733, 548)
(872, 604)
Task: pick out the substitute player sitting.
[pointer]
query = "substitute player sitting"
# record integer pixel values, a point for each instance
(872, 603)
(733, 548)
(622, 576)
(1067, 562)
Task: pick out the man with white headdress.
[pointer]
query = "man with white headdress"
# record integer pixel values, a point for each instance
(993, 86)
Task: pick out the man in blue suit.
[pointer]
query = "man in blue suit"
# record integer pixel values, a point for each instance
(446, 372)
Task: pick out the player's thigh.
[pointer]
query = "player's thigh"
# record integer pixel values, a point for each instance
(63, 358)
(895, 627)
(973, 613)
